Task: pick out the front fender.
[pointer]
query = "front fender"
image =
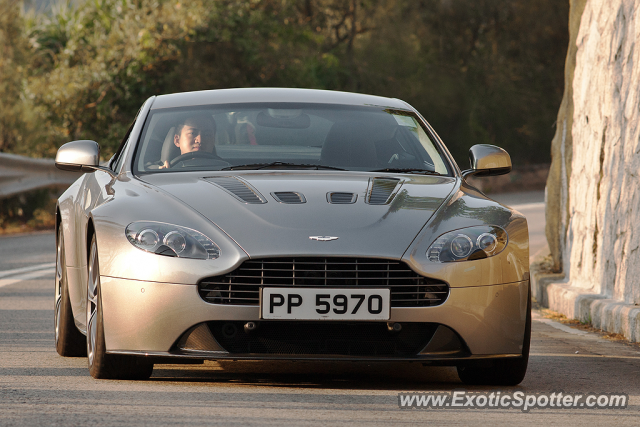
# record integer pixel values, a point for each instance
(134, 200)
(465, 209)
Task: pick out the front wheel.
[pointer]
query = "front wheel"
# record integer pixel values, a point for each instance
(101, 364)
(69, 340)
(507, 372)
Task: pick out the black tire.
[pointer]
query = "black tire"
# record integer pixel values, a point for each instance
(101, 364)
(69, 340)
(506, 372)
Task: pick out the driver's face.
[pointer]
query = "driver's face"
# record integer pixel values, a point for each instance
(196, 135)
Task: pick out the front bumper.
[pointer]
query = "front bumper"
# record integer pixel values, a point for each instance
(149, 318)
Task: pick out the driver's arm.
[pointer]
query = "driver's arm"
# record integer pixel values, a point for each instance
(165, 165)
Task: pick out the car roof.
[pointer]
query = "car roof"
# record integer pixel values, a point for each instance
(250, 95)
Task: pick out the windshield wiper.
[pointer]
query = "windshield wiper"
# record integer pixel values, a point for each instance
(256, 166)
(408, 170)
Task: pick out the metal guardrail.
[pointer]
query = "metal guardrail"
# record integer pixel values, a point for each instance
(19, 174)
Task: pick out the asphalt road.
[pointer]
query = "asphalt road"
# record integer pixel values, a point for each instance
(37, 387)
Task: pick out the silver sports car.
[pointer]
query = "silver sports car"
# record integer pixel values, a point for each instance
(255, 224)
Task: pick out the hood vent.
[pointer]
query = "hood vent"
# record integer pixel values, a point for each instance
(341, 198)
(239, 189)
(382, 190)
(289, 197)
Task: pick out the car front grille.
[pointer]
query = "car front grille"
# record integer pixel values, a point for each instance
(323, 338)
(242, 286)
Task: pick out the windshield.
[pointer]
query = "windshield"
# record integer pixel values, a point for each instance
(286, 136)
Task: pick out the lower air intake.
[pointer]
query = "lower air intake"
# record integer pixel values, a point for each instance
(323, 338)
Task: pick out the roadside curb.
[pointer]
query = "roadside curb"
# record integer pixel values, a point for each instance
(555, 291)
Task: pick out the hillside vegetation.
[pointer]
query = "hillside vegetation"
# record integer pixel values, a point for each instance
(482, 71)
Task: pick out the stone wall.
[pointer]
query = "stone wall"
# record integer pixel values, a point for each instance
(557, 191)
(605, 182)
(595, 176)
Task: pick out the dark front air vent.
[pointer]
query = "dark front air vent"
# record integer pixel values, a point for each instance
(242, 286)
(323, 338)
(341, 198)
(381, 190)
(289, 197)
(238, 189)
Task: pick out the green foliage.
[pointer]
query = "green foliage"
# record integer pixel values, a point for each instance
(34, 208)
(487, 71)
(94, 65)
(13, 59)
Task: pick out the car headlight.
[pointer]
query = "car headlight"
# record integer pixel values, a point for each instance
(468, 244)
(171, 240)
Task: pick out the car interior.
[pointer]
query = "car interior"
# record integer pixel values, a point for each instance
(354, 142)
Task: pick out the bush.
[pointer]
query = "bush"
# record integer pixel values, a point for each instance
(33, 210)
(487, 71)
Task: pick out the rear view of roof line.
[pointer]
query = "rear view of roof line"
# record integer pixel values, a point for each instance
(245, 95)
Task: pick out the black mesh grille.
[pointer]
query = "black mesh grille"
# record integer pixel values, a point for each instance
(242, 286)
(324, 338)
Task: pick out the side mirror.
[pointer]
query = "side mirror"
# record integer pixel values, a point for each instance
(488, 160)
(83, 155)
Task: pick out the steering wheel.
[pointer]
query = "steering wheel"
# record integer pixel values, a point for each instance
(193, 155)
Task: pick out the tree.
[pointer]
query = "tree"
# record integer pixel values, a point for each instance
(93, 65)
(467, 66)
(13, 58)
(487, 71)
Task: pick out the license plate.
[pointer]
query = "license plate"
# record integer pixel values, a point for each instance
(324, 304)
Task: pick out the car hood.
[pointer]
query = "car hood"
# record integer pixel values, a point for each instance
(388, 212)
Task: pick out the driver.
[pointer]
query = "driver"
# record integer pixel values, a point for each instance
(196, 133)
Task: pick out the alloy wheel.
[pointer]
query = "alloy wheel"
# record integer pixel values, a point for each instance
(92, 302)
(58, 290)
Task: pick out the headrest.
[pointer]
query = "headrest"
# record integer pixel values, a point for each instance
(169, 149)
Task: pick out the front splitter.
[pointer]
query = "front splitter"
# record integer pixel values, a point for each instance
(440, 359)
